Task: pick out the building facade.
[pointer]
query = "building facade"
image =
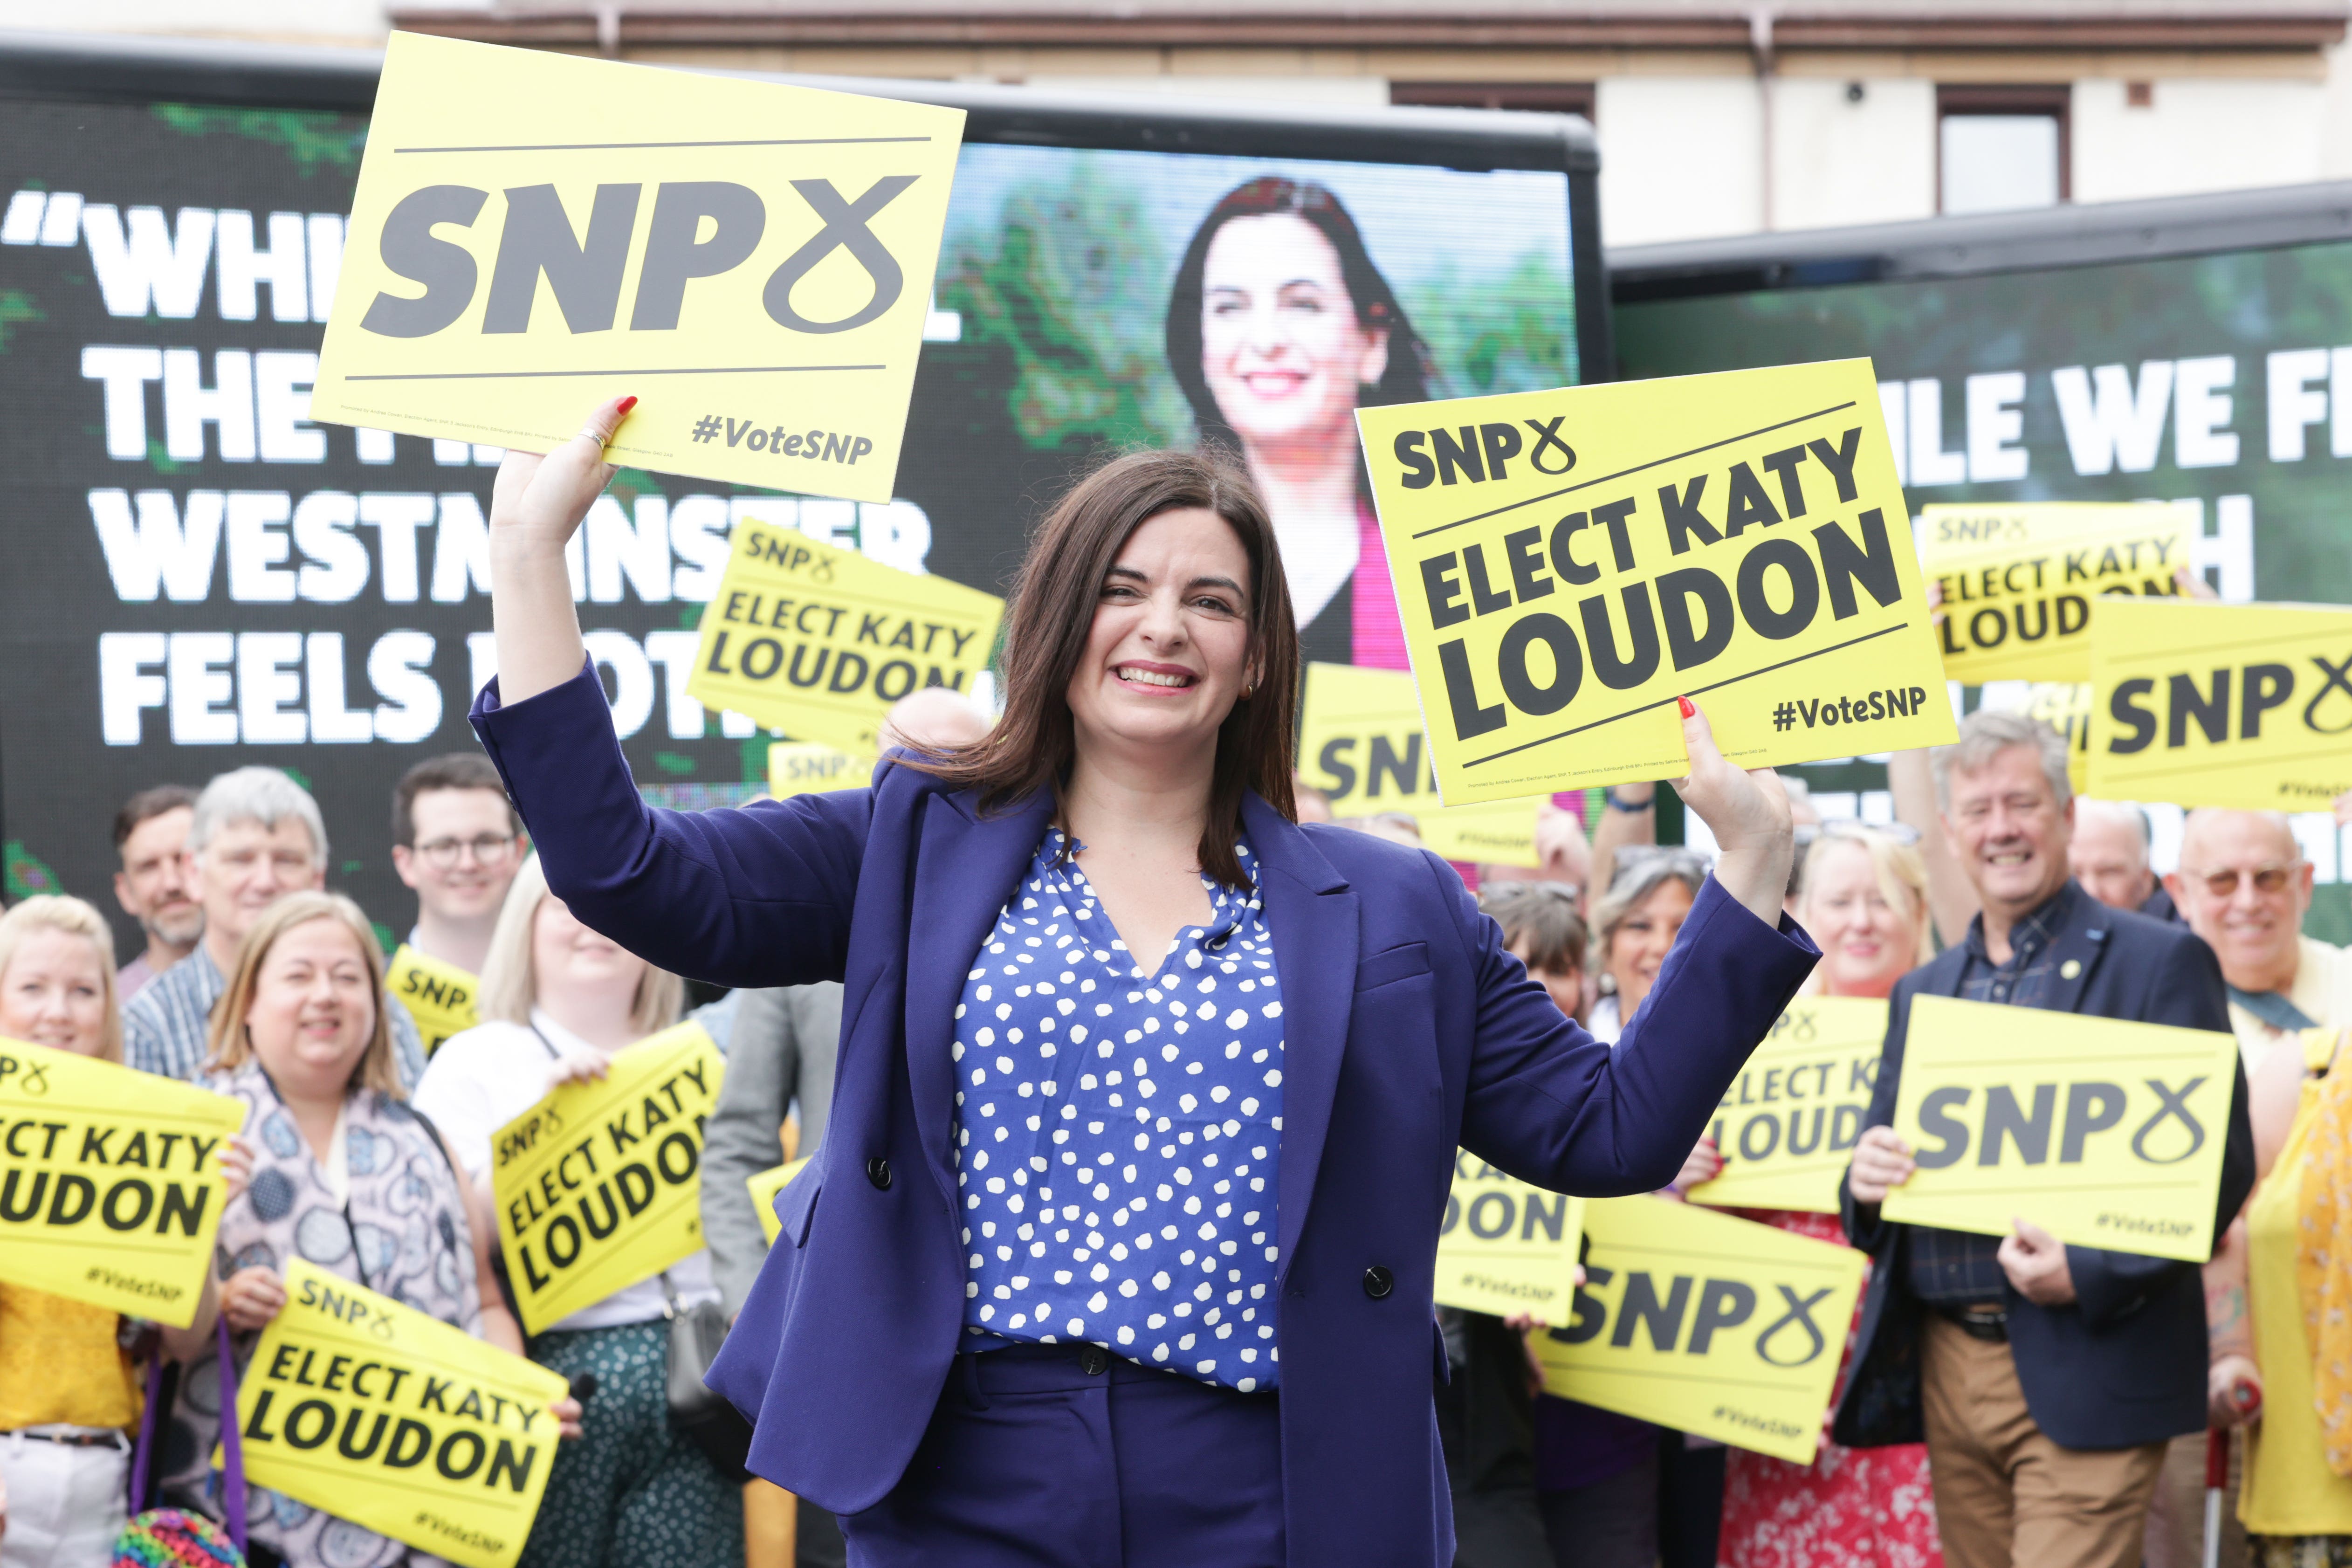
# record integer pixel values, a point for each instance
(1714, 118)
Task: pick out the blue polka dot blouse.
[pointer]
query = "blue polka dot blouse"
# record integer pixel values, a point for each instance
(1116, 1133)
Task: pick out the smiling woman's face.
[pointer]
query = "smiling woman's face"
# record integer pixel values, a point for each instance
(1169, 653)
(1281, 349)
(1643, 940)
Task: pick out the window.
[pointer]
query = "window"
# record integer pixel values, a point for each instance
(1552, 98)
(2000, 149)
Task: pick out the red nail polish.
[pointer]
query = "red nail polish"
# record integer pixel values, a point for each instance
(1688, 709)
(627, 404)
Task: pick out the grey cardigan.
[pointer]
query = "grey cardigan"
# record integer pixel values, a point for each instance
(781, 1051)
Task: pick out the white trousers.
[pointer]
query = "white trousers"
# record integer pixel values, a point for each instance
(65, 1503)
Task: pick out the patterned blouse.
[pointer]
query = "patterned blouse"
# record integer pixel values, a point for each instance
(1118, 1132)
(400, 1227)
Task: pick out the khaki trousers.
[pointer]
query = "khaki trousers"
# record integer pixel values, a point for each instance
(2008, 1497)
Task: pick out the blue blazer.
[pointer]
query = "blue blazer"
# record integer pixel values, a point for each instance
(2126, 1363)
(1409, 1030)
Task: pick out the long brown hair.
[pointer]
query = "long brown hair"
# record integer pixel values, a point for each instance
(1052, 613)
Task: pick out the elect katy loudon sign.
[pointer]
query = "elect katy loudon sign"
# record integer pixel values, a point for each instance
(1567, 563)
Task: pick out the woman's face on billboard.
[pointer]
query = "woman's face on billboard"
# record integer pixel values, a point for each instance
(1281, 349)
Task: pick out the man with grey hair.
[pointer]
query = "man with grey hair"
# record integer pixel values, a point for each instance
(2046, 1379)
(2109, 854)
(2244, 886)
(255, 837)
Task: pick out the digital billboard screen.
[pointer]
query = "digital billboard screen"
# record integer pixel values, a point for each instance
(2179, 351)
(196, 577)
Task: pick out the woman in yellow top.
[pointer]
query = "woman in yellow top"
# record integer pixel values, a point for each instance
(2295, 1501)
(68, 1392)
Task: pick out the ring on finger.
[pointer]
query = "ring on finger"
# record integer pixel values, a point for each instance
(594, 435)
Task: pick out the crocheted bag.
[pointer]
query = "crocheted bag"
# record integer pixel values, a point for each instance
(171, 1537)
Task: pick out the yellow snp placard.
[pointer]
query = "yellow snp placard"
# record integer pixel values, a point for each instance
(2235, 705)
(1568, 563)
(1788, 1125)
(1505, 1246)
(396, 1421)
(2019, 580)
(2103, 1132)
(2065, 707)
(440, 996)
(818, 641)
(806, 767)
(764, 1188)
(1705, 1324)
(533, 232)
(1362, 744)
(111, 1187)
(600, 1185)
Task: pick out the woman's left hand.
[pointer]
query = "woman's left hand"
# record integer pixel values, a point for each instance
(251, 1297)
(236, 1166)
(1705, 1164)
(566, 1412)
(579, 1067)
(1748, 810)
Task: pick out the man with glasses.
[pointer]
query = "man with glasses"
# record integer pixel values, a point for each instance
(2244, 885)
(456, 840)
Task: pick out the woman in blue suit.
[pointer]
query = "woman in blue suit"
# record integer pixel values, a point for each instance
(1119, 1248)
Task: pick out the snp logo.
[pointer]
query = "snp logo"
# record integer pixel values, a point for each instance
(1480, 452)
(585, 275)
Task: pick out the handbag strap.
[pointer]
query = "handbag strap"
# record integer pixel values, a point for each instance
(670, 1307)
(231, 1439)
(146, 1447)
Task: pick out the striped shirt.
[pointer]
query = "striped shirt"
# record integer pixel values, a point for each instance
(164, 1027)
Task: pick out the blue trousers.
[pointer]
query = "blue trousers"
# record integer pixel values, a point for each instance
(1064, 1456)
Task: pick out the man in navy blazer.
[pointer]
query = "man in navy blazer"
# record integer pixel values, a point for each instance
(2046, 1379)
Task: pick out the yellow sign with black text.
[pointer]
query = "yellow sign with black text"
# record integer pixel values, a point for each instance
(111, 1186)
(1362, 744)
(1567, 563)
(600, 1185)
(1788, 1127)
(2103, 1132)
(1705, 1324)
(2247, 706)
(533, 232)
(765, 1187)
(819, 641)
(1506, 1248)
(396, 1421)
(806, 767)
(2019, 579)
(2065, 707)
(441, 997)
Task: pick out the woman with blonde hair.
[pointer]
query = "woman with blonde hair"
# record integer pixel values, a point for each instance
(558, 1001)
(341, 1173)
(1864, 895)
(69, 1389)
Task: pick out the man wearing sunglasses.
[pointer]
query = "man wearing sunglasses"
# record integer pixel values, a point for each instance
(2244, 886)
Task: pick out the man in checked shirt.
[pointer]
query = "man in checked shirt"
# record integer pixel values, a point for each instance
(2046, 1379)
